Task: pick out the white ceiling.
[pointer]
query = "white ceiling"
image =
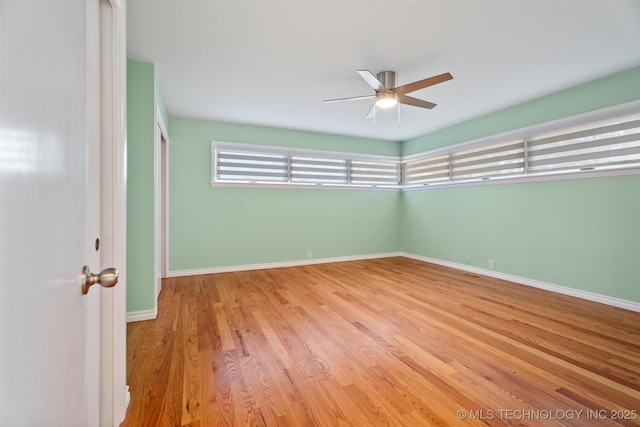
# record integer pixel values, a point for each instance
(273, 62)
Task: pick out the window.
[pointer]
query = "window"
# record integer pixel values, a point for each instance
(239, 166)
(606, 145)
(259, 165)
(428, 170)
(604, 140)
(318, 170)
(506, 158)
(374, 173)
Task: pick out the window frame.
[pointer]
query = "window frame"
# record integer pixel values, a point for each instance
(295, 181)
(546, 130)
(565, 125)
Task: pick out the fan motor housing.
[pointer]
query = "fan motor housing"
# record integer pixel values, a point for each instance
(387, 78)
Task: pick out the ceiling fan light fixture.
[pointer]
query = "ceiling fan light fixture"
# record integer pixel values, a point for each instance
(386, 100)
(388, 94)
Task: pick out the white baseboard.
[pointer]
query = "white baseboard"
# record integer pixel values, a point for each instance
(590, 296)
(127, 398)
(136, 316)
(297, 263)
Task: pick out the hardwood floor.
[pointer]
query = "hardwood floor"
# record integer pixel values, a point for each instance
(390, 342)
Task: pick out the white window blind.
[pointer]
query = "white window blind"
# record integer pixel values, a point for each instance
(242, 166)
(591, 144)
(235, 163)
(480, 162)
(610, 145)
(374, 173)
(426, 171)
(505, 158)
(317, 170)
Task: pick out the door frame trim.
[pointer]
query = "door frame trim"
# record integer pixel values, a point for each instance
(114, 394)
(160, 185)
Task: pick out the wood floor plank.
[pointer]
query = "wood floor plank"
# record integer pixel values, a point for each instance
(191, 369)
(383, 342)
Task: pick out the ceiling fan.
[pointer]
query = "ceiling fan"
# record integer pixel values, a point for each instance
(387, 94)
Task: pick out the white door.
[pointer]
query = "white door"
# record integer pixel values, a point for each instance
(49, 212)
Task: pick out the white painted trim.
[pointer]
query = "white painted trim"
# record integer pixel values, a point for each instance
(137, 316)
(297, 263)
(293, 186)
(160, 122)
(165, 231)
(113, 365)
(161, 212)
(164, 151)
(127, 396)
(590, 296)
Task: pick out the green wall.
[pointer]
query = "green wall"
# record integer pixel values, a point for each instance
(219, 226)
(143, 92)
(583, 234)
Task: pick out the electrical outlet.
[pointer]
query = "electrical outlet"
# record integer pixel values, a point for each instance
(467, 260)
(492, 264)
(309, 253)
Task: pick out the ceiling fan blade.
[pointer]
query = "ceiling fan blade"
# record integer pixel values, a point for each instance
(409, 100)
(351, 98)
(372, 80)
(421, 84)
(372, 111)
